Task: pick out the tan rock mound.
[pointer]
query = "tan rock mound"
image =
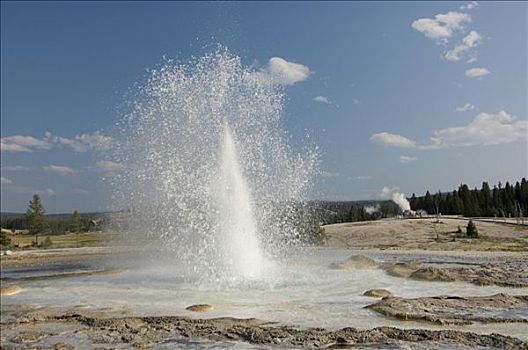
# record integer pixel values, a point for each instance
(200, 308)
(403, 269)
(378, 293)
(10, 290)
(456, 310)
(433, 274)
(122, 332)
(355, 262)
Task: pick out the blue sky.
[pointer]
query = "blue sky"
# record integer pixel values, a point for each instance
(415, 95)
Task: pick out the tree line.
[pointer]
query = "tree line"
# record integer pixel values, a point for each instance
(36, 219)
(352, 211)
(500, 201)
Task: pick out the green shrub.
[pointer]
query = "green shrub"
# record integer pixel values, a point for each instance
(47, 243)
(471, 230)
(5, 241)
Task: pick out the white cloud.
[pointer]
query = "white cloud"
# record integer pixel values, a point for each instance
(469, 42)
(20, 143)
(407, 159)
(470, 6)
(329, 174)
(322, 99)
(84, 142)
(286, 73)
(29, 190)
(61, 170)
(466, 107)
(109, 166)
(14, 168)
(80, 191)
(442, 26)
(80, 143)
(5, 181)
(356, 101)
(361, 177)
(392, 140)
(472, 59)
(484, 129)
(477, 72)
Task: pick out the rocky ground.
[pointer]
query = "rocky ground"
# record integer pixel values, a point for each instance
(456, 310)
(501, 269)
(409, 249)
(48, 330)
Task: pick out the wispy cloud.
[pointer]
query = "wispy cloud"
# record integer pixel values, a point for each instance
(361, 177)
(477, 72)
(392, 140)
(61, 170)
(15, 168)
(29, 190)
(469, 6)
(79, 143)
(80, 191)
(451, 25)
(407, 159)
(21, 143)
(442, 26)
(109, 166)
(328, 174)
(84, 142)
(5, 181)
(322, 99)
(466, 107)
(469, 42)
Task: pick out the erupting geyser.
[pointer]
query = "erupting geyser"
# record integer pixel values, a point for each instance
(206, 173)
(235, 214)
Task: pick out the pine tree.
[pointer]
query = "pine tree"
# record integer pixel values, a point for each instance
(38, 223)
(76, 222)
(485, 197)
(428, 203)
(471, 230)
(412, 202)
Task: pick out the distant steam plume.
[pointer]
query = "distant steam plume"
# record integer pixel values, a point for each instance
(371, 209)
(396, 196)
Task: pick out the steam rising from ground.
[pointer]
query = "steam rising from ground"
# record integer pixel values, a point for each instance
(403, 203)
(170, 149)
(371, 209)
(396, 196)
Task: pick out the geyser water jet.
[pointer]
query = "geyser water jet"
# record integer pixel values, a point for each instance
(238, 229)
(207, 179)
